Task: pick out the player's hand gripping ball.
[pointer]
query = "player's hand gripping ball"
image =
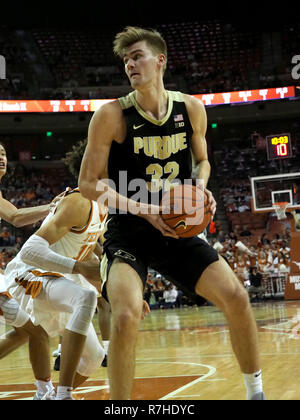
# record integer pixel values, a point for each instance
(186, 210)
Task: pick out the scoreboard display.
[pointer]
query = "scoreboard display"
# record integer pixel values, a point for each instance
(279, 146)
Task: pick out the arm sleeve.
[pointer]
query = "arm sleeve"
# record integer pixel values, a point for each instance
(37, 252)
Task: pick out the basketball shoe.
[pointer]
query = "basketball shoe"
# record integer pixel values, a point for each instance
(259, 396)
(48, 396)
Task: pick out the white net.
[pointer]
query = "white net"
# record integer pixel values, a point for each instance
(280, 209)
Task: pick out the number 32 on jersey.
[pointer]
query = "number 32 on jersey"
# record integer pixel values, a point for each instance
(159, 178)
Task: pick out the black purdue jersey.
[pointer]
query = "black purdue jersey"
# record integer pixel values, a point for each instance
(157, 152)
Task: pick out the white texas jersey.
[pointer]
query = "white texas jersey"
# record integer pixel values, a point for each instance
(2, 284)
(78, 244)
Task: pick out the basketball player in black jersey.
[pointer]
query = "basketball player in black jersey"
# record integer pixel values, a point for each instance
(150, 135)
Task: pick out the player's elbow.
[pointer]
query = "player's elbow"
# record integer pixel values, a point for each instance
(205, 161)
(16, 221)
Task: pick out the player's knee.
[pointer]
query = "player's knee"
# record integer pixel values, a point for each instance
(126, 320)
(89, 299)
(237, 299)
(35, 332)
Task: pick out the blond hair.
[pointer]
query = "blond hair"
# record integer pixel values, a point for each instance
(132, 34)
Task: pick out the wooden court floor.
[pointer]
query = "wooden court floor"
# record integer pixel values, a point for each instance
(185, 354)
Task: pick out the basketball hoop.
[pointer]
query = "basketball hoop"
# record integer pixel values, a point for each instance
(280, 209)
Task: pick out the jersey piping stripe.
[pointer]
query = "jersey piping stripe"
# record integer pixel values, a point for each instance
(76, 190)
(148, 117)
(88, 223)
(66, 193)
(38, 273)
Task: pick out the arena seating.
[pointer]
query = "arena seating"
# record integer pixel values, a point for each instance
(203, 56)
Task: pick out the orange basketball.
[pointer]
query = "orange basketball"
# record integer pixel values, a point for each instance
(187, 210)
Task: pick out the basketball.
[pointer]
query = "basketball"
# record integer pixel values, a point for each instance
(187, 210)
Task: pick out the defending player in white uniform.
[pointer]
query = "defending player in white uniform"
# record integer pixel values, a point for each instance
(24, 281)
(45, 279)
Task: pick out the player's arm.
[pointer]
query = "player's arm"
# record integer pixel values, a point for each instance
(107, 125)
(25, 216)
(104, 127)
(37, 252)
(198, 119)
(21, 217)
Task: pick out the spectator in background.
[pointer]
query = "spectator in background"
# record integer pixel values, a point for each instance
(169, 297)
(233, 235)
(264, 240)
(150, 297)
(245, 231)
(232, 208)
(221, 236)
(256, 289)
(159, 287)
(243, 207)
(6, 239)
(283, 267)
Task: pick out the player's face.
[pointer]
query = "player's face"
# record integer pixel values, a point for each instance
(141, 64)
(3, 161)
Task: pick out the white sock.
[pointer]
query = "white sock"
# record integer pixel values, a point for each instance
(105, 345)
(64, 393)
(253, 382)
(59, 348)
(43, 387)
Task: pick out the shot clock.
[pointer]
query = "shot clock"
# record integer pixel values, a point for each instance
(279, 146)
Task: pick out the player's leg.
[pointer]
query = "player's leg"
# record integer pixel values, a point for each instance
(14, 316)
(125, 294)
(38, 342)
(219, 285)
(104, 315)
(11, 341)
(39, 354)
(91, 358)
(38, 350)
(197, 267)
(65, 296)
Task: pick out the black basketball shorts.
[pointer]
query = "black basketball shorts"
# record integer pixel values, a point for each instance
(136, 242)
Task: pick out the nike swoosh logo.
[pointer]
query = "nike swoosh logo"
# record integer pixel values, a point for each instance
(257, 375)
(135, 127)
(181, 223)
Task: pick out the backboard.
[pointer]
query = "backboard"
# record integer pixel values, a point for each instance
(269, 189)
